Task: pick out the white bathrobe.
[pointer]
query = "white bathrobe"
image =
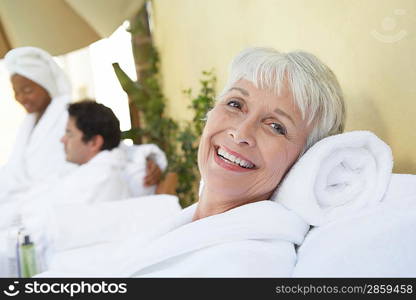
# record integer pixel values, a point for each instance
(253, 240)
(37, 153)
(99, 180)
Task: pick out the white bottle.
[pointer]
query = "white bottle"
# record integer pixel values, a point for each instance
(12, 252)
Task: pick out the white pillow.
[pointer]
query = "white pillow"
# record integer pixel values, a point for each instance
(380, 242)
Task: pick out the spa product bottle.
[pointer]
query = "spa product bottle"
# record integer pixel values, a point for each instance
(12, 245)
(27, 255)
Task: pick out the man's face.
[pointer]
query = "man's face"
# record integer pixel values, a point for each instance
(77, 151)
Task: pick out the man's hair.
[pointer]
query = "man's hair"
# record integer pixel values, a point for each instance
(94, 119)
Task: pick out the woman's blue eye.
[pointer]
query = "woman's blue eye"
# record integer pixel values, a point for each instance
(278, 128)
(234, 103)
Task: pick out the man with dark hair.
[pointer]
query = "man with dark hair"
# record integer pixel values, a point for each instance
(91, 128)
(91, 140)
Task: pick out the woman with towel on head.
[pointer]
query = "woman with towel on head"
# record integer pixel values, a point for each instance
(44, 91)
(272, 109)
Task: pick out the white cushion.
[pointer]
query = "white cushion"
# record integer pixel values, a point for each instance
(380, 242)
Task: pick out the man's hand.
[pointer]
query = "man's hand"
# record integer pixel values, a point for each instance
(153, 173)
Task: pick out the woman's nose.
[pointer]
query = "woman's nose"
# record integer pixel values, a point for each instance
(243, 134)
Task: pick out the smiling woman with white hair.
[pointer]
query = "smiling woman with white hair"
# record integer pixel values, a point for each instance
(274, 107)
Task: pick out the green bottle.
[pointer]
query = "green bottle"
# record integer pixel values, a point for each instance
(28, 267)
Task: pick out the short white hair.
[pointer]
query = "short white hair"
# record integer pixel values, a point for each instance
(314, 87)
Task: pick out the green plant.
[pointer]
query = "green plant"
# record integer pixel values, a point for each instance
(188, 137)
(155, 126)
(178, 140)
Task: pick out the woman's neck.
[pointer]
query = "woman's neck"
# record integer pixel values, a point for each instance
(39, 116)
(207, 208)
(210, 203)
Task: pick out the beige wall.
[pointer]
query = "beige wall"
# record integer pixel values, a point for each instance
(370, 45)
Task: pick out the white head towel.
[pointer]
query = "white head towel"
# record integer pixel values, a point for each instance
(38, 66)
(338, 176)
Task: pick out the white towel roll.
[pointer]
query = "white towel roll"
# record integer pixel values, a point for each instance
(135, 171)
(338, 176)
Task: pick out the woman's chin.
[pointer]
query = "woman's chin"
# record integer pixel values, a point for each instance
(30, 110)
(225, 186)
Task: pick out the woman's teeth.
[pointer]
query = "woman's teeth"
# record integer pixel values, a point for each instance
(238, 161)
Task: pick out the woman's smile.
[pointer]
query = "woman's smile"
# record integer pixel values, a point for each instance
(231, 160)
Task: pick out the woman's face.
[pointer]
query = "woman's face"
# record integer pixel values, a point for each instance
(251, 138)
(33, 97)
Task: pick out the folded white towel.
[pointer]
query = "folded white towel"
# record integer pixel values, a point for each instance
(135, 170)
(338, 176)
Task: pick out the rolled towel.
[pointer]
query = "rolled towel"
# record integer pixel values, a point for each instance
(337, 177)
(135, 170)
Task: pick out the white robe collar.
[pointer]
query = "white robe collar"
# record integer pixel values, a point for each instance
(115, 158)
(48, 121)
(260, 220)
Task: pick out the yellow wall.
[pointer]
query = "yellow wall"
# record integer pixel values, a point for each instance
(378, 78)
